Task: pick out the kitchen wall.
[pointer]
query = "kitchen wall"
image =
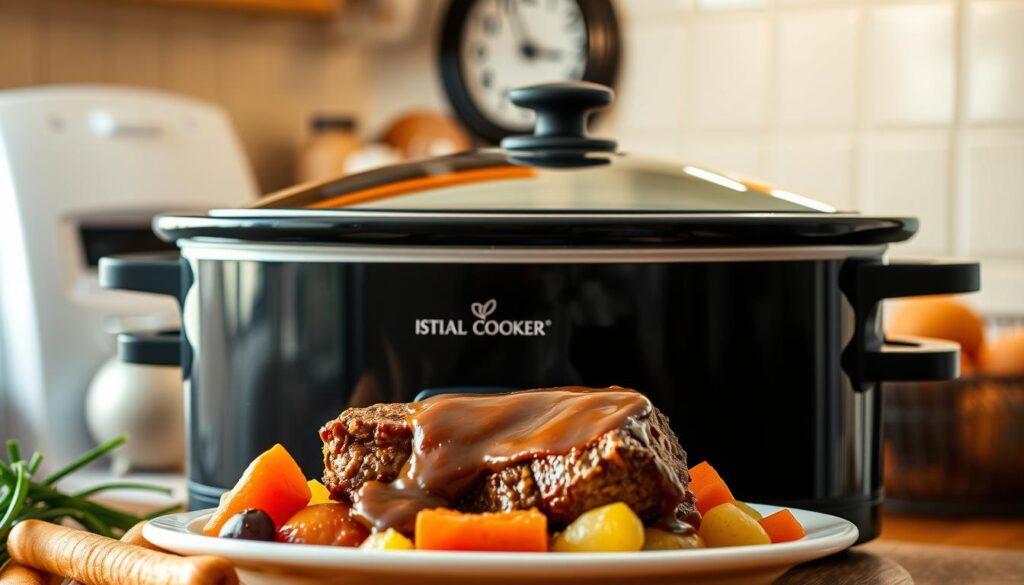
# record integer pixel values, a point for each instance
(884, 106)
(269, 72)
(887, 106)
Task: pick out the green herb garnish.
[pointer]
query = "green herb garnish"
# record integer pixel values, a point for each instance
(24, 498)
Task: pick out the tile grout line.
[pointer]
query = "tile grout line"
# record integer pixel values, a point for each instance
(769, 134)
(860, 187)
(958, 193)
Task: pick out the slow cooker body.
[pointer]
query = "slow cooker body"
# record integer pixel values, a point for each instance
(743, 356)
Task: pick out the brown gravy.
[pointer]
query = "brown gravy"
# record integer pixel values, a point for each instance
(459, 438)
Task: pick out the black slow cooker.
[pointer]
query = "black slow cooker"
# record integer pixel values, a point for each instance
(748, 314)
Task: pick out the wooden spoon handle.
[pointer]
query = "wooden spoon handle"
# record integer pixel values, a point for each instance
(15, 574)
(134, 536)
(98, 560)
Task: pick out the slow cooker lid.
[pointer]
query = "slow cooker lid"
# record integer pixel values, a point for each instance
(559, 186)
(502, 181)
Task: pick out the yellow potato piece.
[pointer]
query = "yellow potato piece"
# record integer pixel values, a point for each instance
(748, 510)
(390, 539)
(611, 528)
(727, 525)
(657, 539)
(320, 495)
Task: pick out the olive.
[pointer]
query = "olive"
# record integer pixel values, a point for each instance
(251, 524)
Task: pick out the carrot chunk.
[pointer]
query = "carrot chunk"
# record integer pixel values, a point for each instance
(708, 487)
(518, 531)
(782, 526)
(273, 483)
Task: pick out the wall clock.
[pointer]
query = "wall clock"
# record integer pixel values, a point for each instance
(489, 47)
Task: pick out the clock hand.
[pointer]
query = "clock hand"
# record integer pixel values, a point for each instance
(549, 54)
(526, 46)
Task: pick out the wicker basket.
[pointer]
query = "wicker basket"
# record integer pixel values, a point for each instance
(955, 447)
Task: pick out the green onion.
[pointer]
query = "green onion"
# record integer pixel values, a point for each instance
(23, 498)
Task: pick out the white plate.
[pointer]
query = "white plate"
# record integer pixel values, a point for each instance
(263, 563)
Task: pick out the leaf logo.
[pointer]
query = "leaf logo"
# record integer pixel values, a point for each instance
(484, 310)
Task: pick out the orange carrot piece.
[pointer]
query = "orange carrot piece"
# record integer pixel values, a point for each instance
(273, 483)
(702, 475)
(518, 531)
(782, 526)
(708, 487)
(713, 495)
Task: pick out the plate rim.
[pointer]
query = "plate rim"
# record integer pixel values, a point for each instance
(172, 532)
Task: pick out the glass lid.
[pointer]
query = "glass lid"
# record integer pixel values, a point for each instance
(498, 181)
(556, 187)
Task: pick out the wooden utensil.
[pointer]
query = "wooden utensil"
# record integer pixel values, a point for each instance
(98, 560)
(133, 537)
(16, 574)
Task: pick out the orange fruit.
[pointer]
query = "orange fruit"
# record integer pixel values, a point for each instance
(939, 318)
(1005, 355)
(967, 365)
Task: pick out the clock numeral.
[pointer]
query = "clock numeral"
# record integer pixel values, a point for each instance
(481, 52)
(490, 24)
(486, 78)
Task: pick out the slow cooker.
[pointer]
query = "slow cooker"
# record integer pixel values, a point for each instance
(748, 314)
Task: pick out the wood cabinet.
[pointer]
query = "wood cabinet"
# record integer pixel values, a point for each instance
(298, 7)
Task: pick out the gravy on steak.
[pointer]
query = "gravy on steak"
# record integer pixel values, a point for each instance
(459, 438)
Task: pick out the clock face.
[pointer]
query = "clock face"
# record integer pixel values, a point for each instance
(515, 43)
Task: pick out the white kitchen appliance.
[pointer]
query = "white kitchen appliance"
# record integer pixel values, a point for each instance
(82, 171)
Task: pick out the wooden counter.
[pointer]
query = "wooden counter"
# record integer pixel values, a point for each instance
(972, 532)
(926, 551)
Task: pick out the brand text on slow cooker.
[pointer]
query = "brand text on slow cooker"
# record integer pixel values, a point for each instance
(482, 326)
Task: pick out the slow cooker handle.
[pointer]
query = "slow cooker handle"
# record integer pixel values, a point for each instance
(153, 273)
(162, 348)
(163, 274)
(869, 358)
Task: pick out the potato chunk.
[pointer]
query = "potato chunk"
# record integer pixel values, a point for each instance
(611, 528)
(390, 539)
(657, 539)
(727, 525)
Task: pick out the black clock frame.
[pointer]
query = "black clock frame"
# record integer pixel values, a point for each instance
(603, 50)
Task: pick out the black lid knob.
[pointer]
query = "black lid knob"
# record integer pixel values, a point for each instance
(562, 111)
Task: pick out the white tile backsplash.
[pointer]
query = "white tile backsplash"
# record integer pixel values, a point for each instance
(741, 153)
(908, 174)
(911, 66)
(819, 167)
(817, 53)
(730, 72)
(996, 61)
(651, 98)
(995, 176)
(658, 8)
(907, 107)
(712, 5)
